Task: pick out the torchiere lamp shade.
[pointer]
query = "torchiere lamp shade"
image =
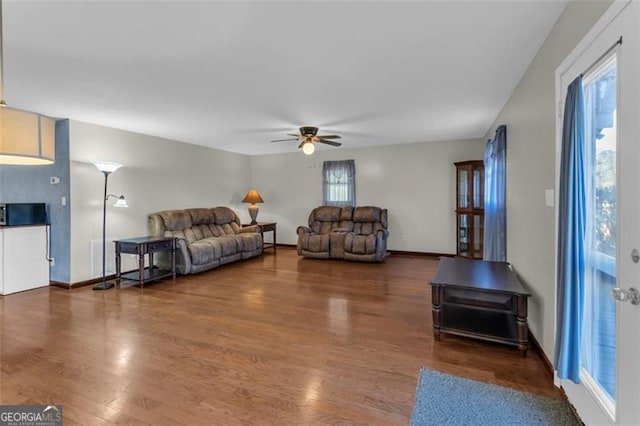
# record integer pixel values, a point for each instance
(253, 197)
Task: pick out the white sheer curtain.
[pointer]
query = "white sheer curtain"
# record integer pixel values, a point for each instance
(339, 183)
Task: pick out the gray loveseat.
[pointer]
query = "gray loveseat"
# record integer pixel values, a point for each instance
(207, 238)
(351, 233)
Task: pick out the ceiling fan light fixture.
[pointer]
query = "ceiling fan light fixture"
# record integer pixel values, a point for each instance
(308, 148)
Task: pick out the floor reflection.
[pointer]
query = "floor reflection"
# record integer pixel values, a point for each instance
(339, 316)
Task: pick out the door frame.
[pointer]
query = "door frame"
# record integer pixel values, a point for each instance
(598, 413)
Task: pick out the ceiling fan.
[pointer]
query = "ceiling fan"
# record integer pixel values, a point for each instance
(308, 136)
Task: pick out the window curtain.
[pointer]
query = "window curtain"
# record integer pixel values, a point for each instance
(339, 183)
(571, 236)
(495, 209)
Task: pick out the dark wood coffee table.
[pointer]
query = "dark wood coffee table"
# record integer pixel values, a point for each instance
(480, 299)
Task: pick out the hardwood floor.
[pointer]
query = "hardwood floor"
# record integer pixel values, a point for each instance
(273, 340)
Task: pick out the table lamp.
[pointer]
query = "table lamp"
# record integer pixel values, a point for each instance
(253, 197)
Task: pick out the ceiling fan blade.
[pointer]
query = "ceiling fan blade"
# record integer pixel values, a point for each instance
(293, 134)
(330, 136)
(285, 140)
(328, 142)
(301, 144)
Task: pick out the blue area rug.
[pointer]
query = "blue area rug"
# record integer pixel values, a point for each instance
(442, 399)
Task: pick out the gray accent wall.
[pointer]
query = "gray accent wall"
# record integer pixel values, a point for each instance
(30, 184)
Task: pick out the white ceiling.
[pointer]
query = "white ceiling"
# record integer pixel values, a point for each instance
(235, 75)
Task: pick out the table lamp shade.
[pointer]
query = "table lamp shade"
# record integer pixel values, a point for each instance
(253, 197)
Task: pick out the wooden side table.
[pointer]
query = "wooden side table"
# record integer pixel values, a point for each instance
(266, 227)
(142, 246)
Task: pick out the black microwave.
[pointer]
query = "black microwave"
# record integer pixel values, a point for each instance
(12, 214)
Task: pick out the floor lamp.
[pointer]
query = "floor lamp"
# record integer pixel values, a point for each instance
(107, 168)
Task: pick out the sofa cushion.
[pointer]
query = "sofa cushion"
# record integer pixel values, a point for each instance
(201, 216)
(216, 230)
(325, 214)
(192, 236)
(251, 241)
(223, 215)
(360, 244)
(176, 220)
(205, 230)
(231, 228)
(203, 252)
(367, 214)
(368, 220)
(346, 213)
(200, 231)
(230, 244)
(324, 227)
(367, 228)
(315, 242)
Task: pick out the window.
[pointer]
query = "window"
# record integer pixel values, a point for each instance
(599, 326)
(339, 183)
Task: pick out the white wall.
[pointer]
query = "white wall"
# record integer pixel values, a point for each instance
(415, 182)
(530, 118)
(157, 174)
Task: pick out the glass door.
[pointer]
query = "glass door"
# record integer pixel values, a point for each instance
(609, 388)
(599, 329)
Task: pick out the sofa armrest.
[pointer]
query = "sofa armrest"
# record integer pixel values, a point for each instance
(250, 228)
(381, 246)
(183, 258)
(304, 230)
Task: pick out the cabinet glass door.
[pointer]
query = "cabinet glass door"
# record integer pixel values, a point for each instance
(478, 188)
(469, 208)
(478, 235)
(463, 188)
(464, 237)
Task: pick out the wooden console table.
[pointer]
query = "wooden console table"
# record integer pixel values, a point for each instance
(479, 299)
(142, 246)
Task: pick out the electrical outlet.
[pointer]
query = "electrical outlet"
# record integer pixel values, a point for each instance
(52, 261)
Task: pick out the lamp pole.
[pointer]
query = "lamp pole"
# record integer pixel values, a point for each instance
(106, 168)
(104, 285)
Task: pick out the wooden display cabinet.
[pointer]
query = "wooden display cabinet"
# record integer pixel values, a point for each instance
(470, 209)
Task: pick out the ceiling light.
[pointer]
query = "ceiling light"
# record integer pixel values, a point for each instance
(26, 138)
(308, 148)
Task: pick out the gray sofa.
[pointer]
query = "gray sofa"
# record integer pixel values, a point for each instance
(207, 238)
(351, 233)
